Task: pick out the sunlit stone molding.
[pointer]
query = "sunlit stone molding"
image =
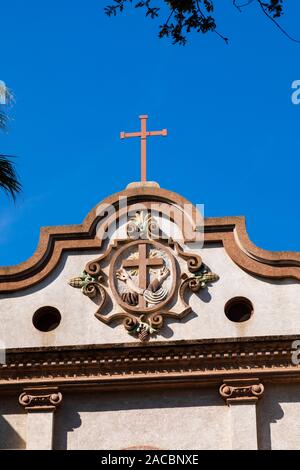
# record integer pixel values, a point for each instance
(40, 399)
(40, 404)
(241, 390)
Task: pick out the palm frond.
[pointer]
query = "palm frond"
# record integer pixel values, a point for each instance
(4, 117)
(6, 93)
(3, 121)
(9, 181)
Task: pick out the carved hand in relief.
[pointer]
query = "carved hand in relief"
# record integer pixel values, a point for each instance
(124, 276)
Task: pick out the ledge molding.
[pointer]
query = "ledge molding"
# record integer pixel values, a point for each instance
(156, 364)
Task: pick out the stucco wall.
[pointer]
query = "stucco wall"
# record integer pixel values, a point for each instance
(169, 419)
(12, 424)
(276, 305)
(278, 418)
(183, 419)
(172, 419)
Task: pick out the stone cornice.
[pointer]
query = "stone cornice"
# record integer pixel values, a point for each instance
(160, 364)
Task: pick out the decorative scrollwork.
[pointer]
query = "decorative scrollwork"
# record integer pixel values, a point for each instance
(241, 390)
(142, 225)
(156, 321)
(40, 399)
(130, 323)
(144, 329)
(90, 287)
(194, 261)
(197, 281)
(93, 268)
(143, 279)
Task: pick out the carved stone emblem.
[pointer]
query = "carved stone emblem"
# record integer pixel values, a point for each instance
(144, 277)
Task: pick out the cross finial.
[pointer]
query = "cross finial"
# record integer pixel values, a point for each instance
(143, 134)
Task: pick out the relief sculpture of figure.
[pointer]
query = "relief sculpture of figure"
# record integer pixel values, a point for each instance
(153, 294)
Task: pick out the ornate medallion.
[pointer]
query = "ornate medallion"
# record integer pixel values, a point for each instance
(143, 276)
(145, 279)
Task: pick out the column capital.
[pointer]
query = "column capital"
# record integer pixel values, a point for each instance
(40, 398)
(241, 391)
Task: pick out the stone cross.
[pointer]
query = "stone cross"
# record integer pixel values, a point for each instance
(143, 263)
(143, 134)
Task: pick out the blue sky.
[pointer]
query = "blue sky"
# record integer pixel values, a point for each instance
(79, 78)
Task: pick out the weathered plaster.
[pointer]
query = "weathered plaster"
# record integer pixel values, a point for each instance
(12, 424)
(278, 418)
(276, 308)
(166, 420)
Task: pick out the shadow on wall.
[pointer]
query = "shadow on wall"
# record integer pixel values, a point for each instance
(203, 294)
(270, 413)
(68, 418)
(9, 437)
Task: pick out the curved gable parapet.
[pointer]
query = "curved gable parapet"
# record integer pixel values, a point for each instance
(257, 261)
(229, 231)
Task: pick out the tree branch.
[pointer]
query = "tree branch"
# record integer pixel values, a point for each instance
(239, 7)
(196, 15)
(268, 15)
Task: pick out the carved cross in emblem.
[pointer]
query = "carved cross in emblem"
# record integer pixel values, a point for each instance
(143, 263)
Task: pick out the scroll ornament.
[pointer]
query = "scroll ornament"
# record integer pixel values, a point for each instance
(40, 399)
(90, 286)
(241, 390)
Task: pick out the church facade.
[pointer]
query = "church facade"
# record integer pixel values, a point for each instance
(149, 327)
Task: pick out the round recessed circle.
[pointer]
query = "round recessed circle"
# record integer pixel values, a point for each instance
(238, 309)
(46, 319)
